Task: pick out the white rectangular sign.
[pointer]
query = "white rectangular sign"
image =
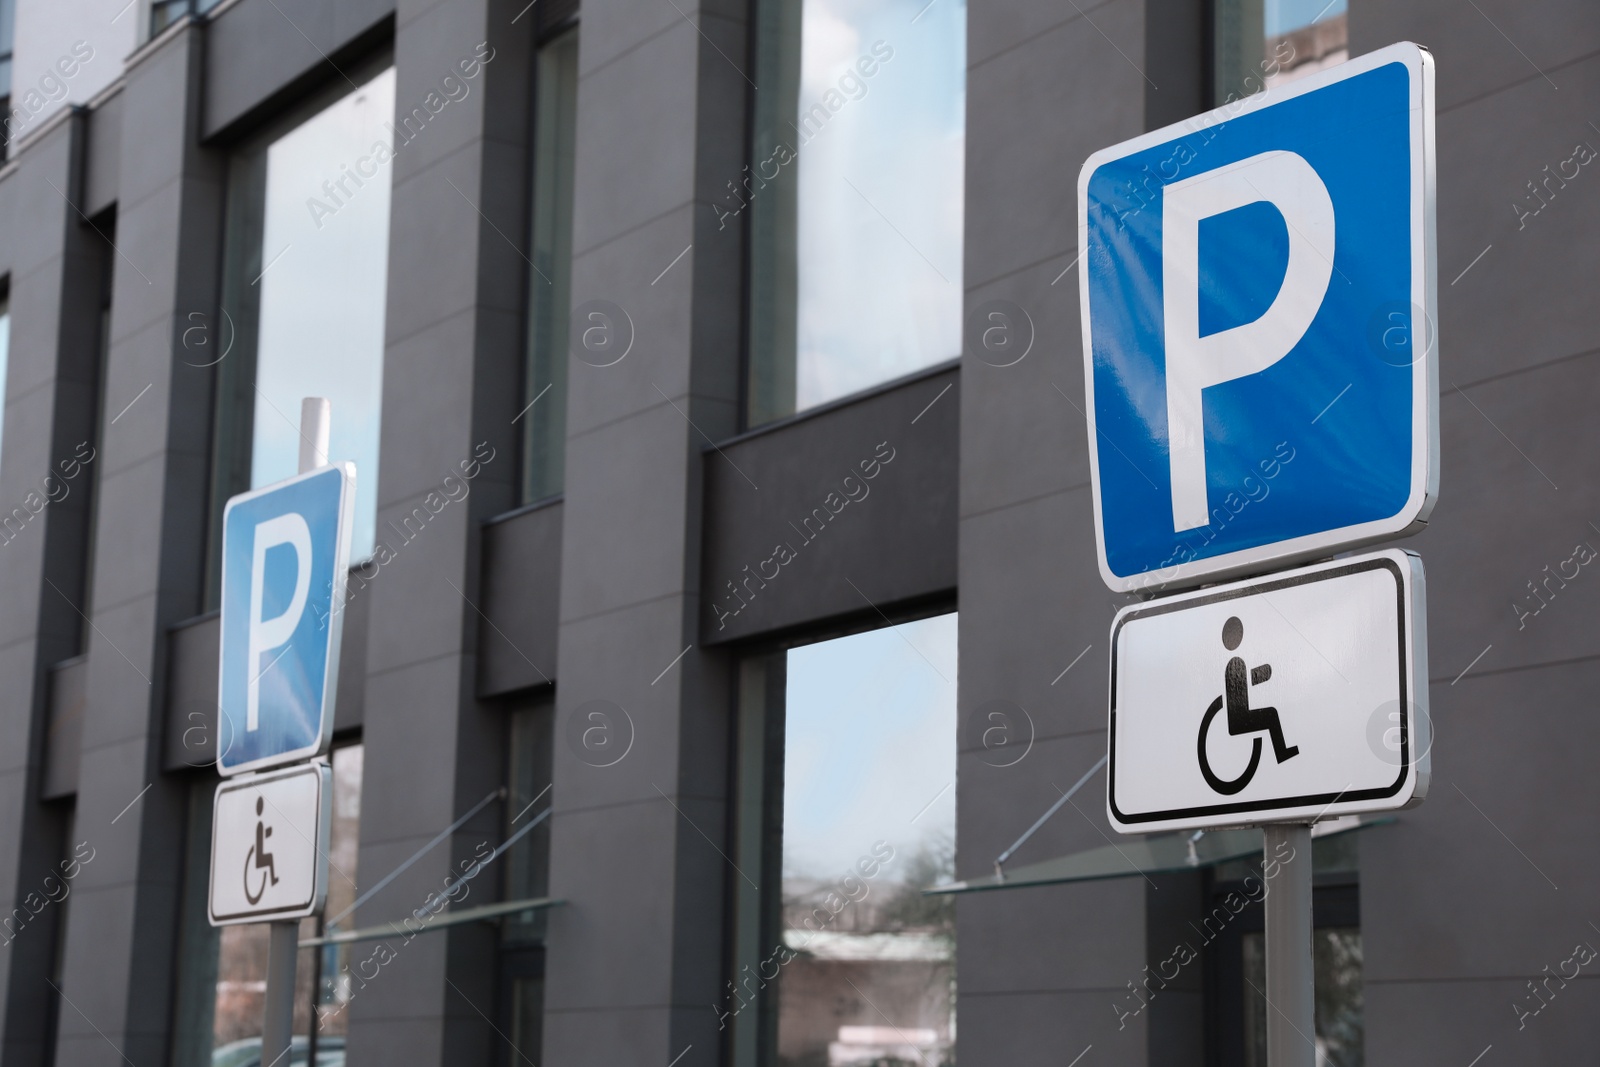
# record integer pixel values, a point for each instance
(1287, 698)
(269, 838)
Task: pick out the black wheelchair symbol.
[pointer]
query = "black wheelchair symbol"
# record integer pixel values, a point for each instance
(259, 859)
(1242, 718)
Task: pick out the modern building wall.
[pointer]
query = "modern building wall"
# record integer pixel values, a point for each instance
(458, 189)
(632, 960)
(1031, 598)
(1473, 894)
(591, 597)
(50, 407)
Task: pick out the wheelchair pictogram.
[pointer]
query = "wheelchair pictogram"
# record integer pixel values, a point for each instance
(259, 859)
(1242, 718)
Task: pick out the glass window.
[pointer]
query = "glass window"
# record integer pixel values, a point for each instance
(854, 197)
(544, 417)
(305, 272)
(1236, 971)
(527, 870)
(164, 13)
(105, 248)
(5, 356)
(1336, 963)
(527, 876)
(1261, 43)
(845, 811)
(332, 975)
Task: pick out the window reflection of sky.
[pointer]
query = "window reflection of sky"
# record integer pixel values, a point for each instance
(322, 300)
(1286, 15)
(873, 303)
(870, 740)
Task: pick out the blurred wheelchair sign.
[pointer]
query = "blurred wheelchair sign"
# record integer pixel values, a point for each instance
(268, 834)
(285, 557)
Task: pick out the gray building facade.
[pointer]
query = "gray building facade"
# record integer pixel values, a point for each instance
(546, 589)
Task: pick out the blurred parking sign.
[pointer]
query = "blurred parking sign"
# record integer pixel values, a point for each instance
(285, 554)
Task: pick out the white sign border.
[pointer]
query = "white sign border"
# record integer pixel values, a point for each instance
(1413, 516)
(341, 577)
(1416, 732)
(319, 889)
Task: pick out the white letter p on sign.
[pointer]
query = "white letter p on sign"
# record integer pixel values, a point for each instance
(1194, 363)
(267, 634)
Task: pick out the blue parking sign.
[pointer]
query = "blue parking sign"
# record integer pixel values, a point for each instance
(1257, 294)
(285, 558)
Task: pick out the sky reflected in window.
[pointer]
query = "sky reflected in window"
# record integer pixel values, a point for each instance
(323, 294)
(870, 749)
(880, 192)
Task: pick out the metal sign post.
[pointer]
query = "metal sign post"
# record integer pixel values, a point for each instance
(277, 1014)
(1291, 1007)
(1261, 387)
(277, 1017)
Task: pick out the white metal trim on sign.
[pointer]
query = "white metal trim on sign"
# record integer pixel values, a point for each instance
(341, 576)
(1424, 294)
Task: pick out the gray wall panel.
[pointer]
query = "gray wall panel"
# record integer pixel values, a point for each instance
(105, 152)
(896, 542)
(1443, 1024)
(632, 958)
(1503, 535)
(1030, 592)
(190, 738)
(1037, 83)
(521, 591)
(452, 375)
(259, 50)
(1050, 1026)
(1484, 46)
(1522, 303)
(1466, 886)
